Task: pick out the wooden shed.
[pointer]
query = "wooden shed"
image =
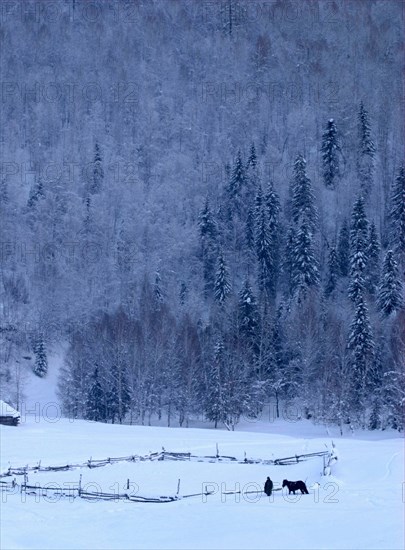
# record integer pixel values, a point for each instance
(8, 415)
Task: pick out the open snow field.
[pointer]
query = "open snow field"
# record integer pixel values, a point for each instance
(360, 506)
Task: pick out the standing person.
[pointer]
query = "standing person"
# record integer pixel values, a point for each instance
(268, 487)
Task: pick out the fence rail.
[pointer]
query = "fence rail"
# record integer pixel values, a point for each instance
(163, 455)
(329, 457)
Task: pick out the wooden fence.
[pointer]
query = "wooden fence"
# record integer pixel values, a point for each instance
(329, 457)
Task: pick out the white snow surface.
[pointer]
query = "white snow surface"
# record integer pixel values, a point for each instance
(359, 506)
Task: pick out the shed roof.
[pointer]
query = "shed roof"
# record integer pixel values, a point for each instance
(8, 410)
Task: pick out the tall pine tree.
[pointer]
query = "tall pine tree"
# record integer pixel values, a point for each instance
(330, 155)
(222, 286)
(343, 249)
(358, 250)
(41, 362)
(303, 199)
(305, 265)
(208, 239)
(333, 272)
(98, 172)
(389, 297)
(397, 213)
(373, 259)
(366, 151)
(361, 346)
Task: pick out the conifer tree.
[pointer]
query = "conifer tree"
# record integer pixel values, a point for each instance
(358, 250)
(222, 286)
(238, 178)
(330, 155)
(305, 265)
(37, 192)
(248, 313)
(343, 250)
(207, 224)
(272, 206)
(373, 259)
(214, 406)
(389, 299)
(250, 230)
(303, 199)
(366, 144)
(397, 213)
(366, 151)
(251, 173)
(333, 271)
(41, 362)
(95, 403)
(361, 346)
(252, 159)
(288, 260)
(208, 239)
(263, 245)
(98, 172)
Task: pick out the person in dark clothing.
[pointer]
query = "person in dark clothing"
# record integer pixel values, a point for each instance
(268, 487)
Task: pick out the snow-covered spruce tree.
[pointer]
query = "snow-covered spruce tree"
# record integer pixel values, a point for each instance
(366, 151)
(95, 402)
(263, 245)
(98, 172)
(303, 199)
(330, 155)
(374, 422)
(373, 259)
(343, 249)
(238, 178)
(37, 192)
(250, 231)
(213, 400)
(305, 271)
(252, 176)
(248, 314)
(288, 260)
(88, 216)
(208, 239)
(361, 346)
(333, 272)
(397, 213)
(222, 285)
(40, 367)
(366, 144)
(358, 250)
(272, 205)
(389, 297)
(252, 159)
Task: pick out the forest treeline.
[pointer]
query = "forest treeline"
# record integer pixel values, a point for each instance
(205, 212)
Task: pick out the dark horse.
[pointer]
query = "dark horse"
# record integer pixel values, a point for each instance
(295, 486)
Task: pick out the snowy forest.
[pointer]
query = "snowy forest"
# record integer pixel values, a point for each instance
(203, 206)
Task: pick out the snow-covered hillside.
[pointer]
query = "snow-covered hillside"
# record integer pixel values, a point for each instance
(359, 506)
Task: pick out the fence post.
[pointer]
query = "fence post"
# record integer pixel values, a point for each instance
(178, 488)
(80, 485)
(217, 450)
